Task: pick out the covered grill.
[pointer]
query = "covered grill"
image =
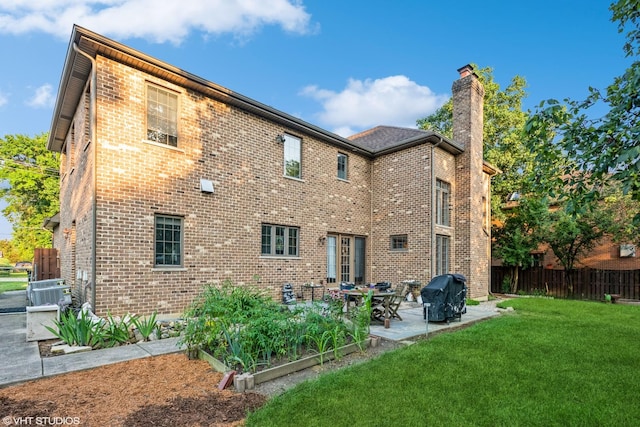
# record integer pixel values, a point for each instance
(446, 296)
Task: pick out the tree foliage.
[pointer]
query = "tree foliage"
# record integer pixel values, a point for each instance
(602, 147)
(572, 235)
(520, 234)
(30, 172)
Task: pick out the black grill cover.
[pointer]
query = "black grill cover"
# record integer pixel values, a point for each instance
(447, 295)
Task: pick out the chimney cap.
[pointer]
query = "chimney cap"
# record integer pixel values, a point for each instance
(466, 71)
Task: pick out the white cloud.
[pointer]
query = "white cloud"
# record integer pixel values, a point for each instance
(152, 19)
(3, 99)
(42, 98)
(391, 101)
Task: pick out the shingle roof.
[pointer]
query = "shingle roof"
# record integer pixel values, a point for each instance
(385, 137)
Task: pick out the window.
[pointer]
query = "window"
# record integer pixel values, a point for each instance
(278, 240)
(443, 192)
(162, 116)
(168, 241)
(399, 242)
(342, 166)
(442, 254)
(292, 163)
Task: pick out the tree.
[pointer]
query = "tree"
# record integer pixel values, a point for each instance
(600, 148)
(519, 235)
(31, 174)
(572, 235)
(502, 134)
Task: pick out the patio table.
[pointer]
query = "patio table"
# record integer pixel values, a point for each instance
(384, 298)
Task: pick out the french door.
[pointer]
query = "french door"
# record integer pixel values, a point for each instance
(346, 258)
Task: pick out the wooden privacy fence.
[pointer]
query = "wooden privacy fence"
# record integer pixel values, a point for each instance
(45, 264)
(587, 283)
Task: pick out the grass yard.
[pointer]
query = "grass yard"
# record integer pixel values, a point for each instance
(14, 282)
(549, 363)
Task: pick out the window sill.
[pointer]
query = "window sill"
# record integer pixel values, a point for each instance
(159, 144)
(165, 269)
(343, 180)
(293, 178)
(278, 257)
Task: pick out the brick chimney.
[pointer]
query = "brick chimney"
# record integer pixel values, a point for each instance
(472, 251)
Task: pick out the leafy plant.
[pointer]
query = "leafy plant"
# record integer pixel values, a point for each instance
(245, 327)
(338, 338)
(321, 342)
(78, 330)
(115, 331)
(361, 321)
(237, 353)
(146, 326)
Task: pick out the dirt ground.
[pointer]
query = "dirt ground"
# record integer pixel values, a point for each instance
(167, 390)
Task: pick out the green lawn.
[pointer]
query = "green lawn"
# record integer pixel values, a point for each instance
(14, 282)
(550, 363)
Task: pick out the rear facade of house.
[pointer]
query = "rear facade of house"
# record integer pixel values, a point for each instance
(170, 182)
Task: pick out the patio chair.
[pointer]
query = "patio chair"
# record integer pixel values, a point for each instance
(395, 302)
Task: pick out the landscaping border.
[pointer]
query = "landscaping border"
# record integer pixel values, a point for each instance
(288, 368)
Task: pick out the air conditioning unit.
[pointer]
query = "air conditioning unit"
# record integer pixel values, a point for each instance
(627, 251)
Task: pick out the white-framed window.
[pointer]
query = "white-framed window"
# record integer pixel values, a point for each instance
(343, 163)
(399, 242)
(162, 116)
(443, 200)
(292, 156)
(443, 247)
(280, 240)
(168, 241)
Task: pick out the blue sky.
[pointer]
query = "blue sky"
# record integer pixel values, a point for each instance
(342, 65)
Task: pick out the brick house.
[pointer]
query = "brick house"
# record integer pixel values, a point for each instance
(170, 182)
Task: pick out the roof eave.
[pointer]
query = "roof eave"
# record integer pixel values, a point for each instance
(93, 44)
(429, 137)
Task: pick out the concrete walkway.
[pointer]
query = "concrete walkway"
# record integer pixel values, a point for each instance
(20, 360)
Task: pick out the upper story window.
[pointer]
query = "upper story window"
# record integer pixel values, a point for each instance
(343, 162)
(292, 156)
(443, 200)
(278, 240)
(168, 241)
(162, 116)
(399, 242)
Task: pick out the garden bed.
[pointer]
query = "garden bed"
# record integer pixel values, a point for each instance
(287, 368)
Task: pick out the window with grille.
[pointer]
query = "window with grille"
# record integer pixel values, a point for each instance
(168, 241)
(162, 116)
(279, 240)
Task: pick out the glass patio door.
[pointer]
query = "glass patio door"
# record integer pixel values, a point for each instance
(345, 259)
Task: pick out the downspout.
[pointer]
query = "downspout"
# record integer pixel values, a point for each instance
(371, 193)
(92, 132)
(433, 207)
